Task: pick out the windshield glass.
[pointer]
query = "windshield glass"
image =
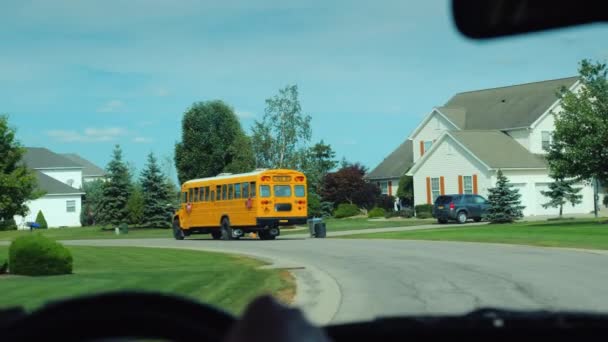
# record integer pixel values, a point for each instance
(144, 124)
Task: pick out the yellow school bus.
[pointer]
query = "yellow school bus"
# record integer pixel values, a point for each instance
(230, 205)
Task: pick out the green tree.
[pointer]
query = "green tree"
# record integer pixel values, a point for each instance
(318, 162)
(17, 183)
(90, 204)
(116, 191)
(157, 195)
(212, 142)
(561, 192)
(405, 191)
(41, 220)
(280, 138)
(347, 185)
(579, 149)
(504, 201)
(135, 205)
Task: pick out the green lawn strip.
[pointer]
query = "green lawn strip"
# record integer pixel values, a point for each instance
(79, 233)
(336, 225)
(223, 280)
(590, 234)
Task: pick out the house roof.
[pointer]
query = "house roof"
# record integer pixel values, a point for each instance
(89, 169)
(498, 150)
(505, 107)
(42, 158)
(396, 164)
(52, 186)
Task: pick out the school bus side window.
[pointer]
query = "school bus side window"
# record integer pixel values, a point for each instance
(237, 191)
(207, 194)
(245, 190)
(184, 197)
(252, 189)
(299, 190)
(195, 195)
(218, 192)
(224, 192)
(212, 196)
(230, 191)
(264, 191)
(190, 194)
(201, 194)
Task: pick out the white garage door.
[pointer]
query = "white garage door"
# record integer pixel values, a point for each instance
(542, 199)
(525, 198)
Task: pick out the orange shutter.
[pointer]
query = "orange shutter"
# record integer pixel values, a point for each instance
(428, 190)
(390, 190)
(475, 184)
(442, 185)
(460, 185)
(421, 148)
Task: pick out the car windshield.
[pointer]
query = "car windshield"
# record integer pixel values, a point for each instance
(220, 150)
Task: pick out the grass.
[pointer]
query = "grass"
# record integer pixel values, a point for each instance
(81, 233)
(592, 234)
(336, 225)
(223, 280)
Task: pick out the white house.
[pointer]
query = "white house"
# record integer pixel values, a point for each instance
(458, 147)
(90, 171)
(61, 180)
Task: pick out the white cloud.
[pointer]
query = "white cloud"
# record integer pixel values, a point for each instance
(142, 140)
(244, 114)
(88, 135)
(111, 106)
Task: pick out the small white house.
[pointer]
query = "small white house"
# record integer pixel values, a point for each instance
(61, 180)
(459, 147)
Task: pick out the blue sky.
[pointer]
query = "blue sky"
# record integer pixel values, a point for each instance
(81, 76)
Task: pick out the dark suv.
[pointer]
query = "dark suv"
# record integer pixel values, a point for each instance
(459, 208)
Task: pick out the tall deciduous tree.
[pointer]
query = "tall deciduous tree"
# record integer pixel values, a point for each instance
(17, 183)
(212, 142)
(580, 141)
(562, 192)
(280, 138)
(116, 190)
(504, 201)
(157, 195)
(347, 185)
(319, 161)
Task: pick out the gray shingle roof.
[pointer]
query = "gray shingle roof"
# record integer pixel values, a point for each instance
(89, 169)
(504, 107)
(40, 157)
(498, 150)
(396, 164)
(54, 187)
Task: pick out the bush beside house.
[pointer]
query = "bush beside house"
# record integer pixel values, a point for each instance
(346, 210)
(37, 255)
(424, 211)
(376, 212)
(41, 220)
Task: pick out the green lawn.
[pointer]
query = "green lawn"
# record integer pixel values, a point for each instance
(79, 233)
(587, 233)
(336, 225)
(227, 281)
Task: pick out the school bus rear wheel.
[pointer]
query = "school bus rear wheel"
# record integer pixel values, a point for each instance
(226, 229)
(178, 234)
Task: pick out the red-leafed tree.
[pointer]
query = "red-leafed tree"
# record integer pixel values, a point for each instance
(347, 185)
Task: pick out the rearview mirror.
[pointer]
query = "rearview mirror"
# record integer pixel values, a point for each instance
(480, 19)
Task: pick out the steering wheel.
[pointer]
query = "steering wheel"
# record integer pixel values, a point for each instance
(123, 314)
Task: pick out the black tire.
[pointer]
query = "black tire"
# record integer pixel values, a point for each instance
(226, 229)
(178, 234)
(442, 221)
(461, 217)
(216, 234)
(477, 219)
(265, 235)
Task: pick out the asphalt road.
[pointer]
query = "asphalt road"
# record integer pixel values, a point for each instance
(348, 280)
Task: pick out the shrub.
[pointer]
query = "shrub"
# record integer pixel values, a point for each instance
(8, 224)
(376, 212)
(4, 267)
(386, 202)
(424, 210)
(36, 255)
(405, 213)
(346, 210)
(41, 220)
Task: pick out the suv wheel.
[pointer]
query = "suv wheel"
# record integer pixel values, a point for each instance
(477, 219)
(442, 221)
(461, 217)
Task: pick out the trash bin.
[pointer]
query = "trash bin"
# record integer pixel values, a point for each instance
(312, 226)
(123, 228)
(320, 230)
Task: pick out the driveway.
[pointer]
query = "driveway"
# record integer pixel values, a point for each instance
(342, 280)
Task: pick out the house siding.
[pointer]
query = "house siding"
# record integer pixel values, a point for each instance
(546, 124)
(63, 175)
(430, 131)
(522, 136)
(54, 210)
(449, 160)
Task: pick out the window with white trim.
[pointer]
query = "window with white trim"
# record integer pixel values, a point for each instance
(70, 206)
(546, 140)
(383, 188)
(427, 145)
(435, 191)
(467, 184)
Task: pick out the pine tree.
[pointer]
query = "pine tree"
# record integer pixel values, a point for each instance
(116, 190)
(503, 200)
(41, 220)
(157, 195)
(561, 192)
